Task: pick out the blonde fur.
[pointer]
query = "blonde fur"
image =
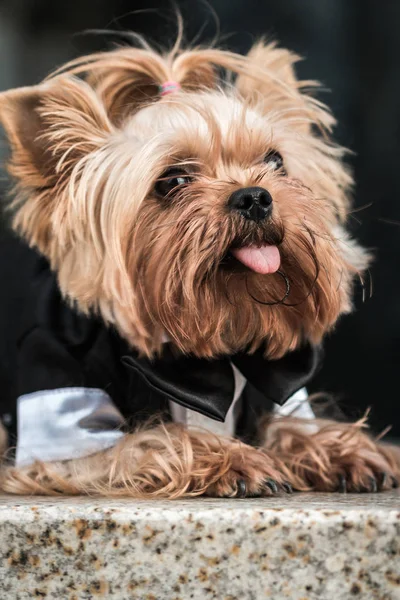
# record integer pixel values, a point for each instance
(170, 461)
(87, 148)
(83, 174)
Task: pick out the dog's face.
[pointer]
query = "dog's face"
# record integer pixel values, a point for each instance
(211, 217)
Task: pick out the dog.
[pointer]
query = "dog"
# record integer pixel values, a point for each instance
(179, 251)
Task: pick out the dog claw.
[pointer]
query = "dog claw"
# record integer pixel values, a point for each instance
(383, 480)
(373, 487)
(241, 488)
(342, 488)
(388, 481)
(272, 485)
(287, 487)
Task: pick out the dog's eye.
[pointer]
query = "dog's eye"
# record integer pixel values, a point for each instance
(275, 161)
(170, 182)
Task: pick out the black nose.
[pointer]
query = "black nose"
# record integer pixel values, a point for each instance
(254, 203)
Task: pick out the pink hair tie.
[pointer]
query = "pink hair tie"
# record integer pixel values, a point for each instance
(168, 87)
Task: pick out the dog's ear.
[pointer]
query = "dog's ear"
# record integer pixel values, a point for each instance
(271, 83)
(278, 61)
(125, 87)
(50, 127)
(126, 79)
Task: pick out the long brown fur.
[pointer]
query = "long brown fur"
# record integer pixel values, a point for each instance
(172, 462)
(88, 146)
(75, 171)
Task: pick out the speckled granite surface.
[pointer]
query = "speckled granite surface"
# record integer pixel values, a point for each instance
(329, 547)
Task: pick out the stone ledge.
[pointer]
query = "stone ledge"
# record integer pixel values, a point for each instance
(303, 547)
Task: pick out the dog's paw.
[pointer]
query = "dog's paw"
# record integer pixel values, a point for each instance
(248, 474)
(364, 467)
(339, 457)
(365, 474)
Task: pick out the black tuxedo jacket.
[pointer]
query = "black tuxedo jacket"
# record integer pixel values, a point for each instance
(45, 344)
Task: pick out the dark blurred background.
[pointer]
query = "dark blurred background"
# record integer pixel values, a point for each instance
(353, 47)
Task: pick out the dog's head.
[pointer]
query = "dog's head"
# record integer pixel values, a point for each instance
(213, 215)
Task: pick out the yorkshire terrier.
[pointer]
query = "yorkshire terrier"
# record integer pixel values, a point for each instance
(180, 252)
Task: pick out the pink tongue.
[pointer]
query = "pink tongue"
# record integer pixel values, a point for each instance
(261, 260)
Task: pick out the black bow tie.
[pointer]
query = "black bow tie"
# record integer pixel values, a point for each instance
(208, 386)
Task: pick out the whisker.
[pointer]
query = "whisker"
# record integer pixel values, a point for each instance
(317, 271)
(355, 219)
(287, 291)
(360, 208)
(389, 221)
(371, 290)
(340, 280)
